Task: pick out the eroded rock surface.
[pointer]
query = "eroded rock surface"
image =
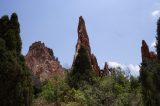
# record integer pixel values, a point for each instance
(42, 61)
(146, 54)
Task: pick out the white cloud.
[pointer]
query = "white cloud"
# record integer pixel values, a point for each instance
(114, 64)
(156, 13)
(133, 69)
(153, 44)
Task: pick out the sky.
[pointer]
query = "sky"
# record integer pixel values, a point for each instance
(115, 27)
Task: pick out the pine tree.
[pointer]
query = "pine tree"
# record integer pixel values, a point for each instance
(16, 27)
(150, 76)
(158, 39)
(81, 72)
(15, 80)
(149, 86)
(157, 72)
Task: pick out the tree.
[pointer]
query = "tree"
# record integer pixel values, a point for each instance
(150, 76)
(81, 72)
(15, 80)
(157, 75)
(149, 79)
(158, 40)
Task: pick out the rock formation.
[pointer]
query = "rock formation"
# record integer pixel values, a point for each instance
(95, 64)
(146, 53)
(106, 69)
(83, 40)
(42, 62)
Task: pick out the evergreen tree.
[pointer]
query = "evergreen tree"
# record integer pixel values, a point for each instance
(81, 72)
(150, 76)
(157, 73)
(16, 27)
(15, 80)
(158, 39)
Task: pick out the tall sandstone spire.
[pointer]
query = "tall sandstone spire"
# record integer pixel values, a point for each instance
(83, 40)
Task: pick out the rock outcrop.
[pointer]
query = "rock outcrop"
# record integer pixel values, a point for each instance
(95, 64)
(83, 40)
(106, 69)
(146, 54)
(42, 61)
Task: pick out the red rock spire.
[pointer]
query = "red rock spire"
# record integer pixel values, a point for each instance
(83, 40)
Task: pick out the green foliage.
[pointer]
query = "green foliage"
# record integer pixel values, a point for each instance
(150, 82)
(15, 81)
(113, 90)
(81, 72)
(54, 89)
(123, 94)
(150, 76)
(158, 39)
(157, 72)
(81, 87)
(57, 91)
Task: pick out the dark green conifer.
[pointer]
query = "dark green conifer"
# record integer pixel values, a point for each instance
(158, 39)
(15, 80)
(150, 76)
(81, 72)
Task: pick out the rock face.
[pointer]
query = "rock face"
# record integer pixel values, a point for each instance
(83, 40)
(146, 53)
(42, 62)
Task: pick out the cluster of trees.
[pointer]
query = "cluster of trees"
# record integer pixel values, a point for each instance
(150, 76)
(113, 90)
(15, 81)
(81, 87)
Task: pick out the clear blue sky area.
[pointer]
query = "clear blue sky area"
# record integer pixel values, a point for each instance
(115, 27)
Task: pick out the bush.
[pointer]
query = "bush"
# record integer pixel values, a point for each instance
(110, 90)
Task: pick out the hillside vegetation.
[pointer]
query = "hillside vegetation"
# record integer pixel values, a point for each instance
(80, 85)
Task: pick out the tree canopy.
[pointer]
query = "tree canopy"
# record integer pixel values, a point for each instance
(15, 80)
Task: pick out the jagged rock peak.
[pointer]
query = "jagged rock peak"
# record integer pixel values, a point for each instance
(39, 45)
(36, 44)
(146, 54)
(42, 62)
(82, 27)
(83, 38)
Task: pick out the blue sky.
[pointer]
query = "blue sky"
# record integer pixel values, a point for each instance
(115, 27)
